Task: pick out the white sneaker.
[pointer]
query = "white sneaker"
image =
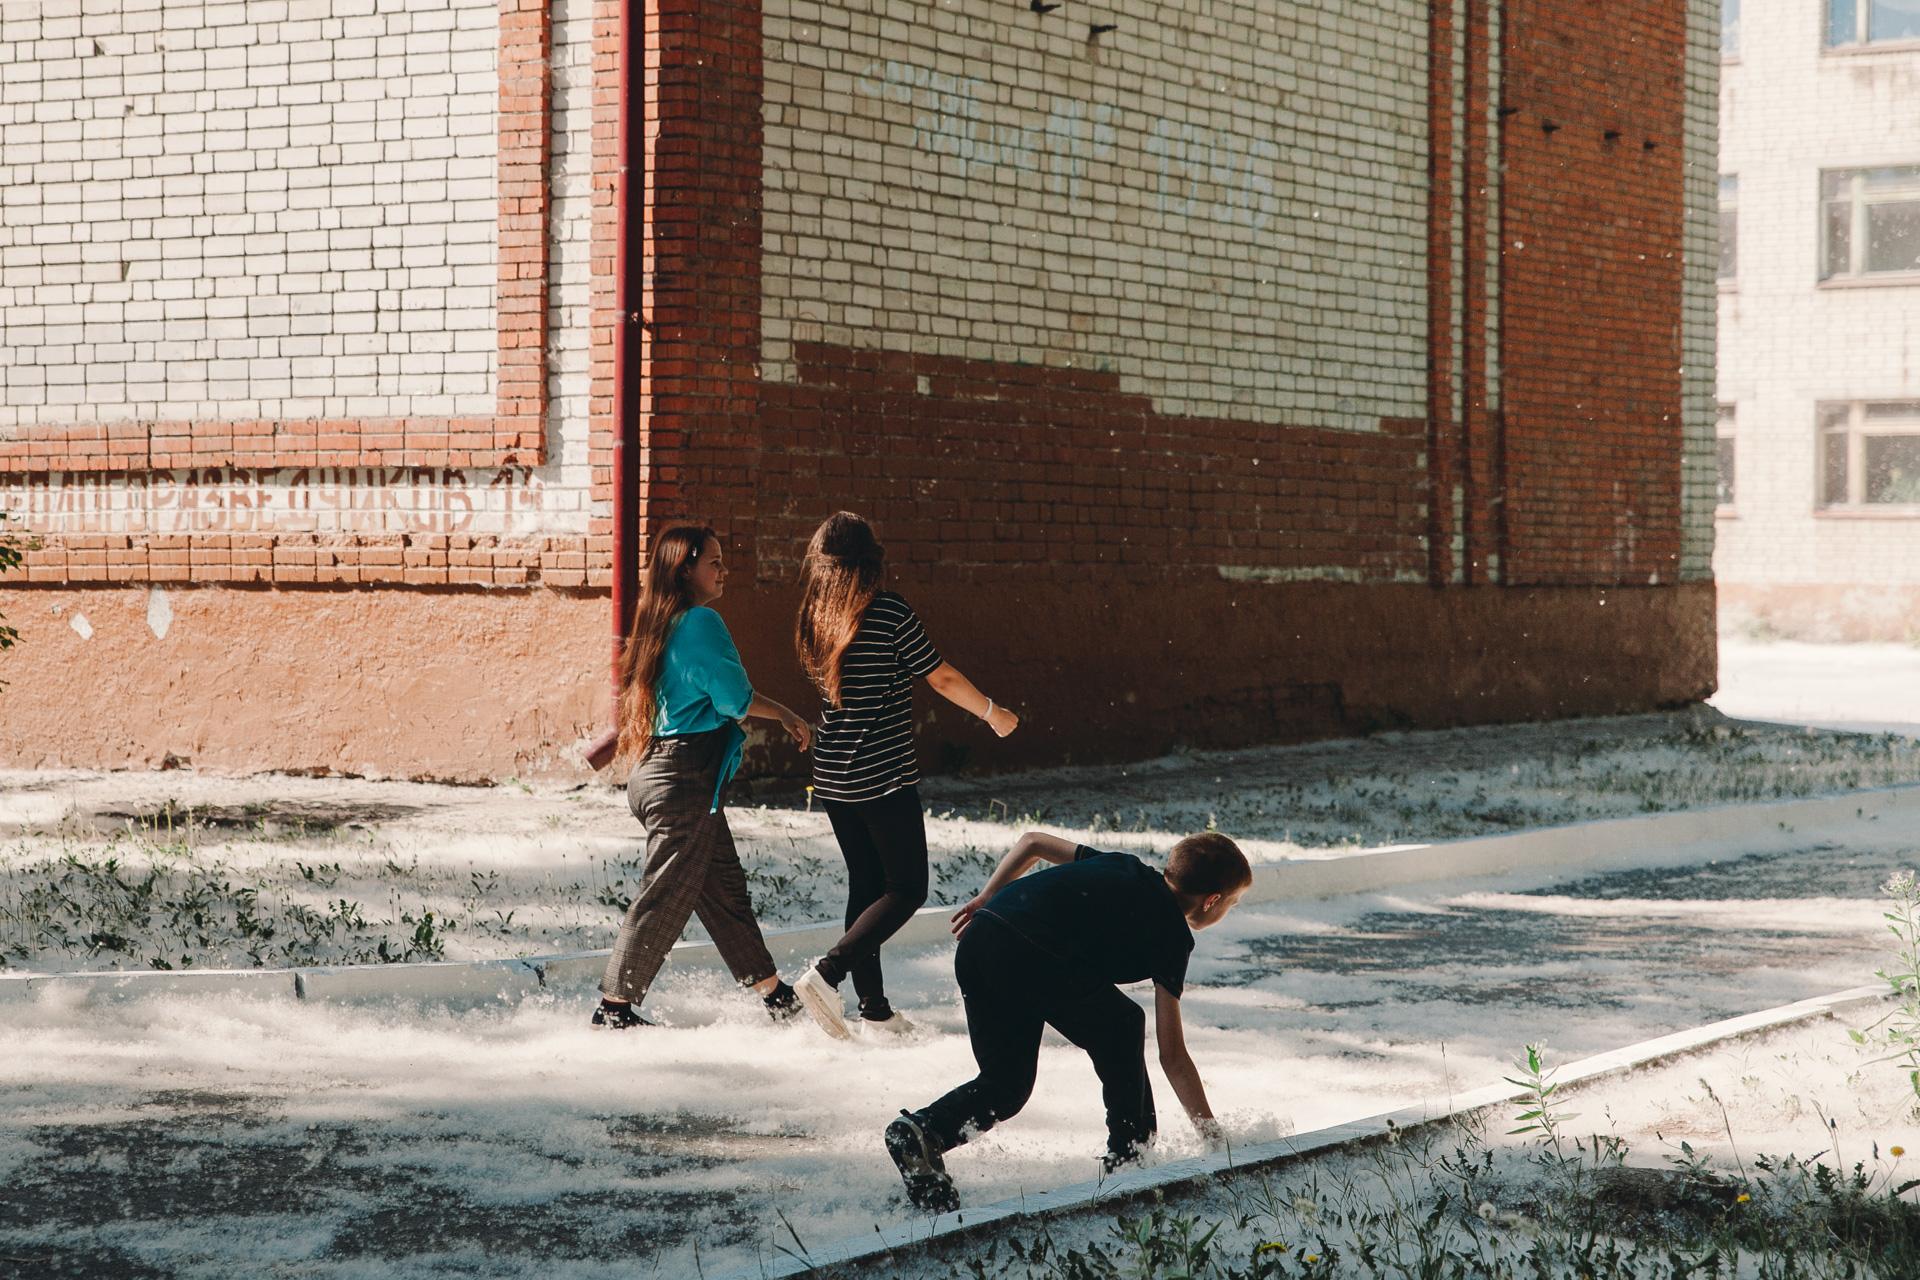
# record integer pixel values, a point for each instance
(823, 1002)
(896, 1026)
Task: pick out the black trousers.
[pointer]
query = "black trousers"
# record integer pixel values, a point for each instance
(884, 843)
(1013, 990)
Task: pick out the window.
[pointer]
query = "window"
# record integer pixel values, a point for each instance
(1870, 221)
(1729, 28)
(1723, 453)
(1870, 21)
(1729, 227)
(1870, 454)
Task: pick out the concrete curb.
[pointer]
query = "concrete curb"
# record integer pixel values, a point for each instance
(480, 980)
(150, 982)
(1609, 844)
(902, 1243)
(789, 946)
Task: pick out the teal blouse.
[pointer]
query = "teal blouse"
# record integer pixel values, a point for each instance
(702, 687)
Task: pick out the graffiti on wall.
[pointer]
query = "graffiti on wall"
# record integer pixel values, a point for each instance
(1205, 173)
(427, 500)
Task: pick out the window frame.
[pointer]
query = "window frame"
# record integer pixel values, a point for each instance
(1856, 504)
(1857, 234)
(1861, 42)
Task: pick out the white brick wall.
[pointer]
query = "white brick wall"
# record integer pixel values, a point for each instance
(1223, 202)
(1700, 262)
(271, 209)
(1791, 109)
(550, 499)
(568, 473)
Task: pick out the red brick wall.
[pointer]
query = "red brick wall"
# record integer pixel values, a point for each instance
(973, 469)
(699, 381)
(1129, 578)
(1573, 480)
(1133, 579)
(1591, 323)
(288, 559)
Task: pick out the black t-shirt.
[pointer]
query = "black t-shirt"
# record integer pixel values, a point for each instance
(1108, 916)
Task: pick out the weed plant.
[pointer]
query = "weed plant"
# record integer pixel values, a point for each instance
(1445, 1204)
(143, 903)
(1899, 1031)
(1693, 765)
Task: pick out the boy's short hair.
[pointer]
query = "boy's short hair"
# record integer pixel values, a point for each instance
(1206, 864)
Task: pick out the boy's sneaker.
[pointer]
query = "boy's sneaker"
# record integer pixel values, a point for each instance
(822, 1000)
(1121, 1161)
(917, 1157)
(896, 1025)
(781, 1003)
(617, 1016)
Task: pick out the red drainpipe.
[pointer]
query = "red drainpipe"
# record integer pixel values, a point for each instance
(629, 333)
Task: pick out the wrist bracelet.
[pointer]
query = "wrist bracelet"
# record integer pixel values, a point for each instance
(988, 713)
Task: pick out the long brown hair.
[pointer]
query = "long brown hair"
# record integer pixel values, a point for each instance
(664, 596)
(844, 568)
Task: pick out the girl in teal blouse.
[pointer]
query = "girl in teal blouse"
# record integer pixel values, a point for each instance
(703, 687)
(683, 696)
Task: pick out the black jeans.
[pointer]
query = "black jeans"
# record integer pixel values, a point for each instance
(884, 843)
(1013, 990)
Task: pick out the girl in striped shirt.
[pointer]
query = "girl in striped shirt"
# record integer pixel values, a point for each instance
(863, 647)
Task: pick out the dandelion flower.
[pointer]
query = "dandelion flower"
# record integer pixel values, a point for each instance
(1312, 1257)
(1896, 1151)
(1274, 1246)
(1485, 1211)
(1742, 1198)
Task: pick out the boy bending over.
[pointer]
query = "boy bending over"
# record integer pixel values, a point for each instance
(1048, 950)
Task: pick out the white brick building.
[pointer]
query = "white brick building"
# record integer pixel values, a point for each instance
(221, 221)
(1819, 372)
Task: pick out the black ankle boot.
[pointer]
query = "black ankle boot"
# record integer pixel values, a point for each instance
(617, 1015)
(781, 1003)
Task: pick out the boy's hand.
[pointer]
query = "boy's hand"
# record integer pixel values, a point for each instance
(964, 916)
(1211, 1133)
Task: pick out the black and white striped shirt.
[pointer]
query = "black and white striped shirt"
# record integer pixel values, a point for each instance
(864, 749)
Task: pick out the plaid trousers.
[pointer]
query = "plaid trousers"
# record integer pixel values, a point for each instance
(692, 866)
